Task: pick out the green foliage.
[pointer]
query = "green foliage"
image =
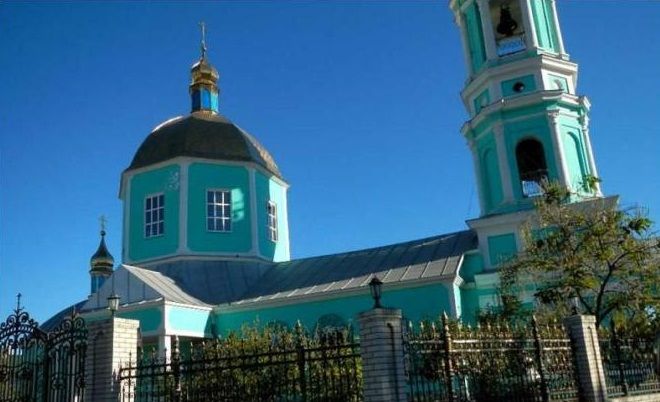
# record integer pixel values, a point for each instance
(274, 362)
(587, 256)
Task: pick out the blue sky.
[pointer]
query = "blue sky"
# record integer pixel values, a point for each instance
(357, 101)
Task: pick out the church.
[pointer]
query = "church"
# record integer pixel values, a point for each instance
(205, 244)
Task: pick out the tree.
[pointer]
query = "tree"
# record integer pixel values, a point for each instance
(588, 256)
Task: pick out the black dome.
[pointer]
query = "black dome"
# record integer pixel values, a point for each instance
(202, 135)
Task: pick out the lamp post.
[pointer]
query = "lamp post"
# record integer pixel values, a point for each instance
(375, 286)
(113, 304)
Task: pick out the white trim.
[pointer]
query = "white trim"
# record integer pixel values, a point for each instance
(191, 160)
(126, 229)
(254, 215)
(560, 39)
(530, 65)
(183, 207)
(532, 98)
(203, 256)
(477, 170)
(273, 232)
(590, 155)
(530, 24)
(151, 197)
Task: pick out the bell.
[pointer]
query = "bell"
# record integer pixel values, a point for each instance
(507, 25)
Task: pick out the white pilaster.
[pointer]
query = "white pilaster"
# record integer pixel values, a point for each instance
(487, 28)
(183, 207)
(555, 19)
(477, 171)
(584, 120)
(254, 216)
(557, 143)
(503, 160)
(528, 22)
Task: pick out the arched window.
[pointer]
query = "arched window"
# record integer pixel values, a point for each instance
(532, 168)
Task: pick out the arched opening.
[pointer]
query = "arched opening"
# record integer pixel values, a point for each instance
(532, 168)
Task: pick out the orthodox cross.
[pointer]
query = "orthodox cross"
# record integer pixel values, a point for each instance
(202, 26)
(103, 222)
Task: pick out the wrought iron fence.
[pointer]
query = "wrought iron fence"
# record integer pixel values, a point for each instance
(450, 362)
(631, 365)
(39, 366)
(291, 367)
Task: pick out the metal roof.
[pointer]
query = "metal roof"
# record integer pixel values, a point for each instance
(246, 282)
(202, 135)
(434, 257)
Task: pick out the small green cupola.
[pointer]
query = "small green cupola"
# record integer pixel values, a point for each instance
(101, 264)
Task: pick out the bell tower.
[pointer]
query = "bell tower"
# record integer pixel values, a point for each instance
(526, 122)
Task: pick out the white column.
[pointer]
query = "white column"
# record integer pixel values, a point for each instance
(555, 19)
(557, 143)
(584, 120)
(477, 171)
(503, 160)
(487, 28)
(528, 22)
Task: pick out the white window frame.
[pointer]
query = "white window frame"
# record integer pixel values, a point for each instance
(219, 220)
(154, 228)
(271, 221)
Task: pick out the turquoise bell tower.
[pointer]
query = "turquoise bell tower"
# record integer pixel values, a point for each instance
(526, 121)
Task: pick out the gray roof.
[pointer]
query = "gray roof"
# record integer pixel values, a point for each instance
(434, 257)
(246, 282)
(202, 135)
(211, 282)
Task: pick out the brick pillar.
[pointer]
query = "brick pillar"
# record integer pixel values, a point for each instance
(381, 347)
(589, 365)
(111, 343)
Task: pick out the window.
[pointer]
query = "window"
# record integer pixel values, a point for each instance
(509, 34)
(218, 210)
(531, 166)
(154, 215)
(272, 220)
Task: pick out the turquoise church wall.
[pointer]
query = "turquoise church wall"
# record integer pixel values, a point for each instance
(501, 248)
(528, 81)
(423, 302)
(189, 320)
(150, 319)
(538, 129)
(268, 189)
(164, 180)
(206, 176)
(491, 181)
(481, 101)
(473, 264)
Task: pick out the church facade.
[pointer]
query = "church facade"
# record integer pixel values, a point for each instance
(205, 222)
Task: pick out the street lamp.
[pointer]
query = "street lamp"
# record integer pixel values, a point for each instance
(375, 287)
(113, 303)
